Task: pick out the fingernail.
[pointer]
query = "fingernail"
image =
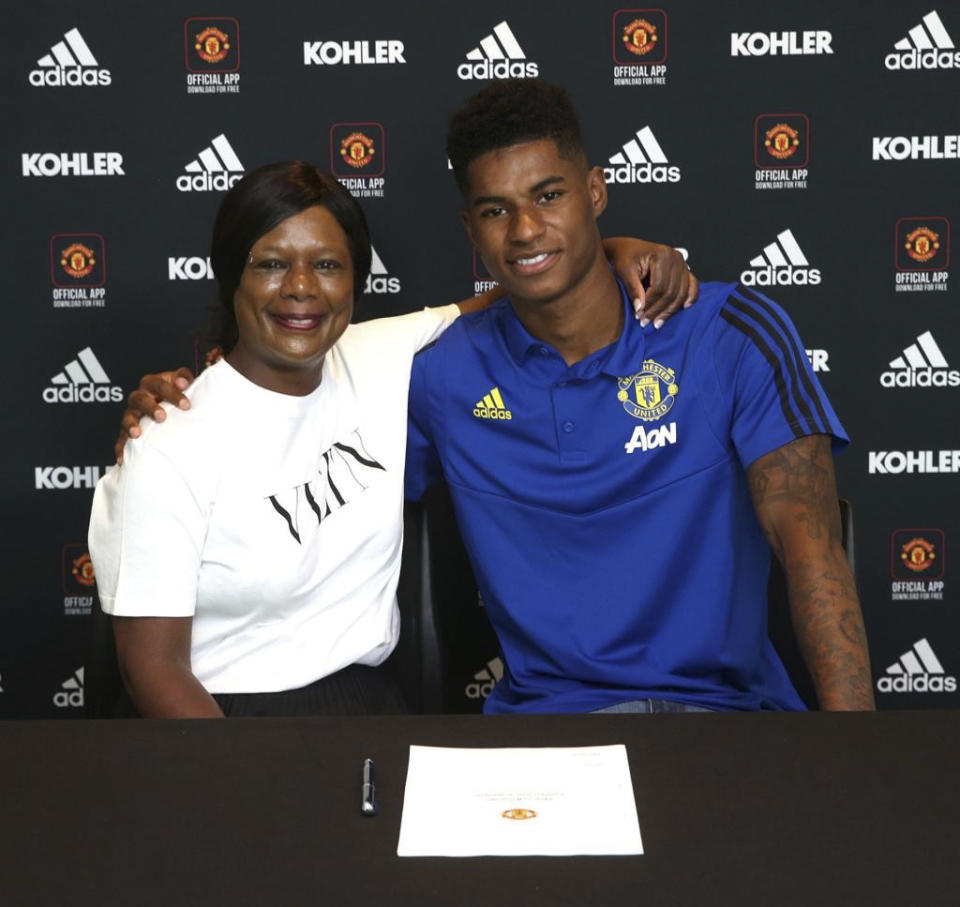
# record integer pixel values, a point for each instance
(644, 322)
(658, 324)
(184, 404)
(638, 305)
(687, 304)
(181, 383)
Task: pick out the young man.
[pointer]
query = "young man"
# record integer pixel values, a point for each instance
(619, 488)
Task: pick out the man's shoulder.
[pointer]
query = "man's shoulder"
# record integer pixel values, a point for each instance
(471, 331)
(713, 297)
(479, 326)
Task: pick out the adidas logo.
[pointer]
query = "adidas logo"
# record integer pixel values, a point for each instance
(641, 161)
(782, 264)
(921, 365)
(925, 48)
(492, 407)
(216, 167)
(82, 381)
(378, 280)
(484, 680)
(917, 671)
(70, 696)
(499, 56)
(69, 62)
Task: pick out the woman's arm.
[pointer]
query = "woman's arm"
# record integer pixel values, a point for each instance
(154, 658)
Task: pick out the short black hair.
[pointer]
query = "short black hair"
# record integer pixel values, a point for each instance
(265, 198)
(509, 112)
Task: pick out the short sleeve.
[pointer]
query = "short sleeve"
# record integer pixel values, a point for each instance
(760, 360)
(146, 537)
(404, 335)
(423, 461)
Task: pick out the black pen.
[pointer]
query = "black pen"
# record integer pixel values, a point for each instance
(368, 800)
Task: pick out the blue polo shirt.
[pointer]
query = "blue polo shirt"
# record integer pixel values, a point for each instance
(604, 505)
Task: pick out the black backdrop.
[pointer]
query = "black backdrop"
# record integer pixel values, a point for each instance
(105, 250)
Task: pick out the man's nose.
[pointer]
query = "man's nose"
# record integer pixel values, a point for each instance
(526, 225)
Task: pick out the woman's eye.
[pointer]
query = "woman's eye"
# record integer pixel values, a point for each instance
(327, 264)
(269, 264)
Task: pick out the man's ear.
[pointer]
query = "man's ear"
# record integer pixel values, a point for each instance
(597, 187)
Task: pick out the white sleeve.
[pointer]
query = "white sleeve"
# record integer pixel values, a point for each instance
(434, 321)
(146, 535)
(400, 336)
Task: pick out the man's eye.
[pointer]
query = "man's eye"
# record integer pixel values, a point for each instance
(492, 212)
(551, 196)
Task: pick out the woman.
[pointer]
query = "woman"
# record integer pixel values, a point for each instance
(249, 549)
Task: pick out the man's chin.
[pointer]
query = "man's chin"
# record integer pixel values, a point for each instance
(530, 289)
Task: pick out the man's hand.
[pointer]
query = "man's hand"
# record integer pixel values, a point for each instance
(164, 387)
(656, 277)
(795, 498)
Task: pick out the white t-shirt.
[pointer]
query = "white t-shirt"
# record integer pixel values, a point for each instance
(275, 521)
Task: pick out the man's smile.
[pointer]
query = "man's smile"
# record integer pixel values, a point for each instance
(533, 263)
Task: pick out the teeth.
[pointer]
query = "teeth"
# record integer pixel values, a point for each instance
(532, 261)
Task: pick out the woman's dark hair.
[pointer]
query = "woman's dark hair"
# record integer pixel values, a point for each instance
(262, 200)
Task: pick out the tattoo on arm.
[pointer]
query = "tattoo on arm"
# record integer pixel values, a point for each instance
(795, 499)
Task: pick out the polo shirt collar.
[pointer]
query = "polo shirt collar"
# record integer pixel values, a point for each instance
(621, 358)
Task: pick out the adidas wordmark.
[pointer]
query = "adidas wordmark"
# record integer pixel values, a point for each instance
(498, 56)
(921, 365)
(217, 167)
(927, 45)
(70, 62)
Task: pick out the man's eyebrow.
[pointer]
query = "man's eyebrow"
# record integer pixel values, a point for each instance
(538, 187)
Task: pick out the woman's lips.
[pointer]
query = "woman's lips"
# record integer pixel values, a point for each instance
(298, 322)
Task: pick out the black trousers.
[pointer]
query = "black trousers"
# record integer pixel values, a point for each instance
(354, 690)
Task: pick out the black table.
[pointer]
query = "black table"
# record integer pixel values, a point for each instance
(801, 809)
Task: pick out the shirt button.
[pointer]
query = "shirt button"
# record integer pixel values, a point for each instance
(543, 351)
(568, 426)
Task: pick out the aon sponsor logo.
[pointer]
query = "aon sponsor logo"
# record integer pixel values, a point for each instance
(644, 439)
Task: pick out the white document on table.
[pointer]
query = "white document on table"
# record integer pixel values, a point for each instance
(514, 802)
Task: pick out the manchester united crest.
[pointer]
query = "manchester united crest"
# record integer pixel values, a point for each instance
(781, 141)
(77, 260)
(650, 394)
(519, 814)
(640, 37)
(918, 555)
(82, 570)
(922, 244)
(212, 45)
(357, 149)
